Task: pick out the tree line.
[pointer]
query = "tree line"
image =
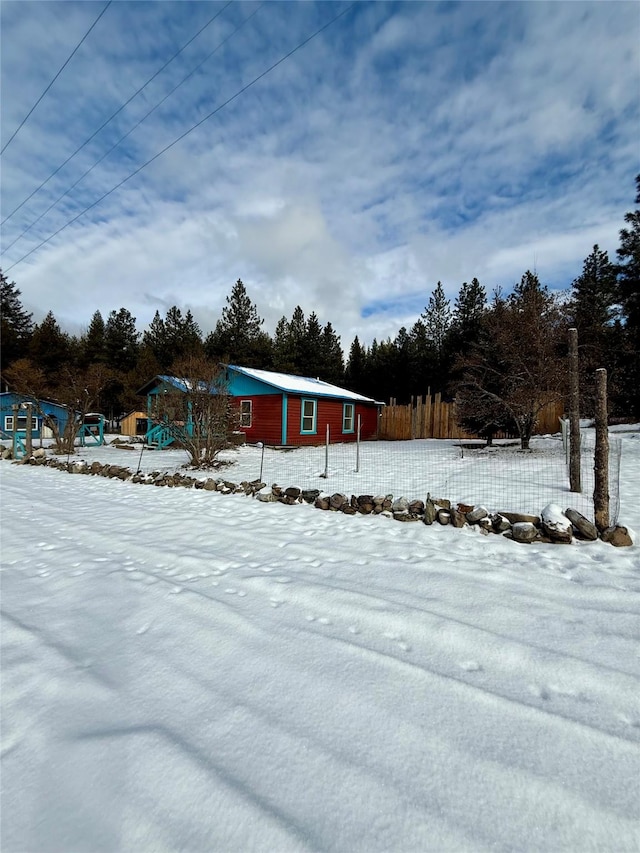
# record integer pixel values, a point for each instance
(493, 353)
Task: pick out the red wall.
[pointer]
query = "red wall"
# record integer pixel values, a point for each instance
(266, 424)
(330, 412)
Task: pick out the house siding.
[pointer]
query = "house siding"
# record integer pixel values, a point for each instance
(266, 418)
(329, 412)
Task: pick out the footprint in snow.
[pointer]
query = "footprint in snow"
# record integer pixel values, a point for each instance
(470, 666)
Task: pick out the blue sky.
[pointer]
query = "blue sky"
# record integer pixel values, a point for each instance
(409, 143)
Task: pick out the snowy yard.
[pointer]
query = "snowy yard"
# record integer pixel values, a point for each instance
(184, 670)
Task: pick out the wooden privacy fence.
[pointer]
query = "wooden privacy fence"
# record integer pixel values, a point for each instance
(432, 417)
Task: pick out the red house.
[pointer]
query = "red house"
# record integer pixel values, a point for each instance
(277, 408)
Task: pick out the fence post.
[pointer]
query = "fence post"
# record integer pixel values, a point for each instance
(326, 455)
(574, 413)
(601, 460)
(358, 445)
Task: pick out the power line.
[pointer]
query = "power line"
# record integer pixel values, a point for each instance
(131, 130)
(71, 55)
(113, 115)
(186, 133)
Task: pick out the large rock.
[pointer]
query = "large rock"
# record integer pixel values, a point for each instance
(585, 528)
(322, 502)
(365, 504)
(458, 519)
(310, 495)
(430, 512)
(618, 536)
(524, 531)
(400, 505)
(556, 524)
(416, 507)
(499, 523)
(476, 514)
(337, 501)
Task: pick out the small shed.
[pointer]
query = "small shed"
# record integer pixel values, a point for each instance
(283, 409)
(134, 424)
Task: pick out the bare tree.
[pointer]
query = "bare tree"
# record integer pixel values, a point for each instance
(76, 391)
(517, 365)
(198, 414)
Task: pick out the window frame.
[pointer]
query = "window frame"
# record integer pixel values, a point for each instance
(314, 416)
(352, 407)
(8, 423)
(243, 414)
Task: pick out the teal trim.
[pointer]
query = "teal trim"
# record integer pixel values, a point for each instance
(285, 402)
(92, 433)
(313, 429)
(344, 417)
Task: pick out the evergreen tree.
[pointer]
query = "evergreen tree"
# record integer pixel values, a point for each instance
(332, 363)
(283, 354)
(93, 343)
(310, 354)
(238, 335)
(49, 347)
(354, 374)
(437, 320)
(155, 339)
(592, 310)
(17, 325)
(422, 359)
(629, 298)
(121, 340)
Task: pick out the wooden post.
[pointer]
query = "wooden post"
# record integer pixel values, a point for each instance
(29, 431)
(15, 408)
(601, 460)
(574, 413)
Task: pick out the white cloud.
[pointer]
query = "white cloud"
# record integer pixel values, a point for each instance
(412, 143)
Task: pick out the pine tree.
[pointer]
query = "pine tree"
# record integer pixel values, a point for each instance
(93, 343)
(354, 374)
(17, 325)
(437, 320)
(310, 354)
(629, 297)
(121, 340)
(49, 347)
(238, 335)
(332, 365)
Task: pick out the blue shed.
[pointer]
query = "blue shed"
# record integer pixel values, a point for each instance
(9, 399)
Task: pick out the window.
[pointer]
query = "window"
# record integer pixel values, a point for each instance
(22, 423)
(347, 417)
(246, 411)
(308, 416)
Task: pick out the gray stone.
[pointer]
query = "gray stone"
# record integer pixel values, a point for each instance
(267, 497)
(555, 524)
(442, 503)
(585, 528)
(499, 523)
(322, 502)
(400, 505)
(618, 536)
(209, 484)
(347, 509)
(476, 514)
(458, 519)
(444, 516)
(430, 512)
(524, 531)
(310, 495)
(292, 492)
(406, 516)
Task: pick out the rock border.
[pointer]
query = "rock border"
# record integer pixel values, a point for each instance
(553, 525)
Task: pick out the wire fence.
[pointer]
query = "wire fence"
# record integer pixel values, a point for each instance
(502, 477)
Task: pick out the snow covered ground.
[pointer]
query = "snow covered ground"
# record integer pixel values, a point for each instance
(185, 670)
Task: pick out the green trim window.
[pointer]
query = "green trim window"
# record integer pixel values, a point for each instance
(246, 413)
(348, 417)
(308, 414)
